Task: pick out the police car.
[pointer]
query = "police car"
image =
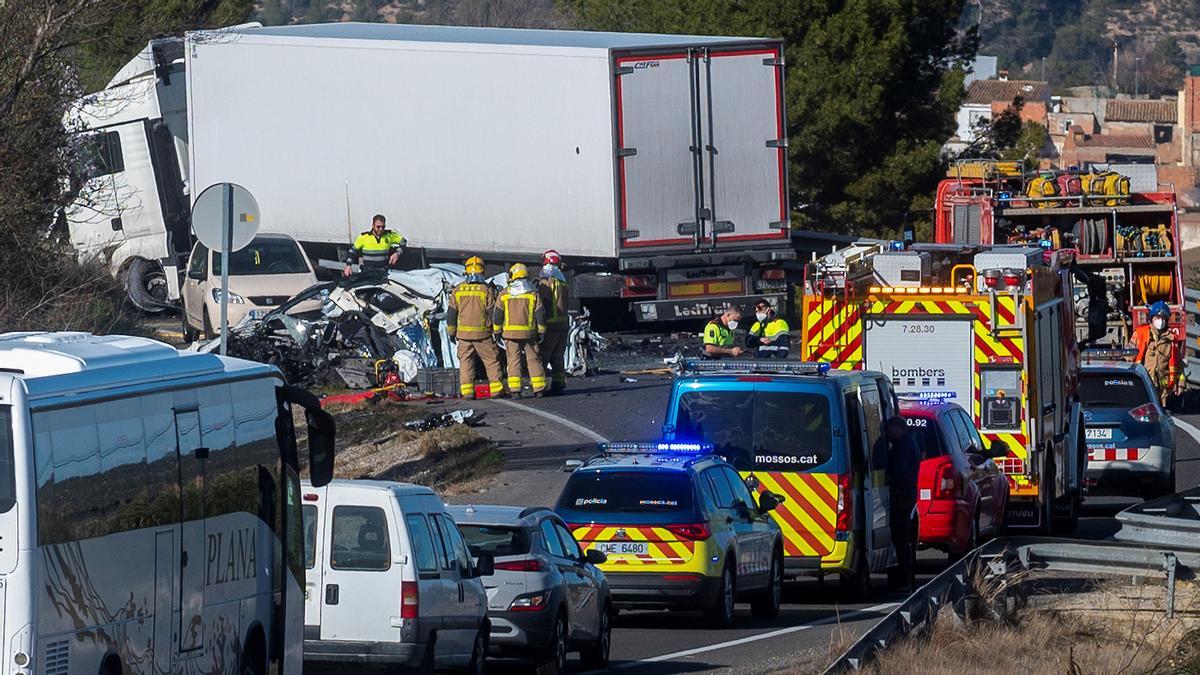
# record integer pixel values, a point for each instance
(680, 529)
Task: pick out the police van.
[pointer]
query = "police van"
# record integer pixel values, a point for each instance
(811, 434)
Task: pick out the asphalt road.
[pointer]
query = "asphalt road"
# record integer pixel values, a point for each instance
(539, 435)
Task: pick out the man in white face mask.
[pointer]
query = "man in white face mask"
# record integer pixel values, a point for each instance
(1158, 351)
(768, 336)
(718, 335)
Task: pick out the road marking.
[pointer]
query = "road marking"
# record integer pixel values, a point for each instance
(837, 618)
(574, 426)
(1187, 429)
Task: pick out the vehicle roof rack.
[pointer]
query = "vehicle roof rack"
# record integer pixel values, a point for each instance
(757, 366)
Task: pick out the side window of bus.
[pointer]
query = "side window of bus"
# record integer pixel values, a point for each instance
(854, 433)
(421, 540)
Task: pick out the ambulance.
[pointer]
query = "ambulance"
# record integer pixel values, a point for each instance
(990, 328)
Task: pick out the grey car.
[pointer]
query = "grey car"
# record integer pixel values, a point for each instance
(1130, 437)
(546, 596)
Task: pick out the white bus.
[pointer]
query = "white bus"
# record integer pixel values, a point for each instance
(149, 509)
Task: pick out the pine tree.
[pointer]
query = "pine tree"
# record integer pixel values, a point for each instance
(364, 11)
(272, 13)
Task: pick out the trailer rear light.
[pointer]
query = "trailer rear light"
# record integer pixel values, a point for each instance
(409, 599)
(991, 278)
(774, 273)
(529, 565)
(1145, 413)
(691, 531)
(640, 281)
(845, 504)
(310, 497)
(1011, 465)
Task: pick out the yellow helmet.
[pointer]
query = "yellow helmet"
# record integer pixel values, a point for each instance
(518, 271)
(474, 265)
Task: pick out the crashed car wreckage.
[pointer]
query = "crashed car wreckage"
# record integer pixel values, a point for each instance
(374, 329)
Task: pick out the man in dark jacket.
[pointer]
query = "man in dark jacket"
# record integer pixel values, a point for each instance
(903, 465)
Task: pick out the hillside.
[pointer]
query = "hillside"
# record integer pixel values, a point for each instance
(1072, 40)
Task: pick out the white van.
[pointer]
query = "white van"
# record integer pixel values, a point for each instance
(389, 579)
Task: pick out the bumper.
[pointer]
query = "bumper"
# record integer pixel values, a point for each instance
(698, 308)
(519, 631)
(937, 524)
(656, 591)
(383, 653)
(1151, 468)
(839, 559)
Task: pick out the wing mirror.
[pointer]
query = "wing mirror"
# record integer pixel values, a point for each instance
(571, 464)
(751, 482)
(197, 275)
(595, 557)
(322, 433)
(485, 566)
(768, 501)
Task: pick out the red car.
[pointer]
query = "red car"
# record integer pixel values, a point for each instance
(961, 493)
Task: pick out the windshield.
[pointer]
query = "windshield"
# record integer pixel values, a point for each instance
(264, 255)
(495, 540)
(1112, 390)
(759, 430)
(620, 492)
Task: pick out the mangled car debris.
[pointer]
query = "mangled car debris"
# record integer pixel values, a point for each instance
(374, 329)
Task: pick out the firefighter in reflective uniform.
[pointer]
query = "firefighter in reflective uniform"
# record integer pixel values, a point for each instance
(552, 285)
(376, 249)
(469, 322)
(718, 335)
(518, 318)
(769, 335)
(1159, 352)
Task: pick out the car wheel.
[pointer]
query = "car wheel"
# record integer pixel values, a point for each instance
(855, 585)
(721, 615)
(595, 656)
(766, 604)
(554, 660)
(428, 657)
(479, 651)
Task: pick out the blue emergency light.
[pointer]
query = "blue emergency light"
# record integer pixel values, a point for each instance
(1090, 355)
(744, 366)
(656, 447)
(928, 396)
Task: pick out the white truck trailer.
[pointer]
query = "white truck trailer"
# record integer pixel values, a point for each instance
(656, 164)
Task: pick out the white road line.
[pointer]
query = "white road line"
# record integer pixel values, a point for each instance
(1187, 429)
(847, 616)
(574, 426)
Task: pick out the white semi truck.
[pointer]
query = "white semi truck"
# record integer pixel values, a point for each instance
(656, 164)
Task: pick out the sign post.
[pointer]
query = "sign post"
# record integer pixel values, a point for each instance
(225, 217)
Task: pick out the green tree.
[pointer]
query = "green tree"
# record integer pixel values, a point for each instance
(871, 91)
(272, 14)
(1028, 145)
(1162, 69)
(364, 11)
(318, 12)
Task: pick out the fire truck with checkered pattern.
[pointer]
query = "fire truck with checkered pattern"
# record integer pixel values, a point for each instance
(989, 328)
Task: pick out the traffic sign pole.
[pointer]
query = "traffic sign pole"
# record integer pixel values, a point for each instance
(226, 243)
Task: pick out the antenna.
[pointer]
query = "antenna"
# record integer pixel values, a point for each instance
(349, 225)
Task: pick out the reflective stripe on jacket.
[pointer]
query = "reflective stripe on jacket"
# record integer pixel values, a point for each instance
(555, 296)
(374, 251)
(716, 333)
(775, 331)
(518, 316)
(468, 316)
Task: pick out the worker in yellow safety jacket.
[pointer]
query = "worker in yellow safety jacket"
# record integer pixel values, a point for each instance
(519, 319)
(718, 335)
(375, 249)
(556, 294)
(769, 336)
(469, 322)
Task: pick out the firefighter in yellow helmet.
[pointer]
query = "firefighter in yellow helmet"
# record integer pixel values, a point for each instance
(469, 322)
(556, 295)
(519, 319)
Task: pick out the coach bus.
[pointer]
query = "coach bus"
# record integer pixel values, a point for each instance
(149, 509)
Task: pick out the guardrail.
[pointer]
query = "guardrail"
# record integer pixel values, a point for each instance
(1159, 538)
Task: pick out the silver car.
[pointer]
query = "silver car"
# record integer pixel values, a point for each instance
(546, 597)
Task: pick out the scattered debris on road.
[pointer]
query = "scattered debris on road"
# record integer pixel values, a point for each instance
(436, 421)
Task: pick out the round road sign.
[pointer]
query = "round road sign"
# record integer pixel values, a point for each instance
(215, 204)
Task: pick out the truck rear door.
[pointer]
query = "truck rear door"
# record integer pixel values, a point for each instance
(942, 368)
(701, 155)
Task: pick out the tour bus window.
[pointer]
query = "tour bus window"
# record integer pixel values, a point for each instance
(8, 477)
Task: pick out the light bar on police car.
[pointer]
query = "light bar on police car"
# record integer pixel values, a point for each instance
(656, 447)
(1109, 354)
(734, 366)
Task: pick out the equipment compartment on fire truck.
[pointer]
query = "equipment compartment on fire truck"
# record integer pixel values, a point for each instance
(987, 327)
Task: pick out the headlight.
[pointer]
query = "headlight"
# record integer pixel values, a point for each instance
(234, 298)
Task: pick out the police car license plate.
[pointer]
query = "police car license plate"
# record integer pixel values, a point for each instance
(623, 547)
(1099, 434)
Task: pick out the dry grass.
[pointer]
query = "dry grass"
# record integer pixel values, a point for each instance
(372, 443)
(1116, 629)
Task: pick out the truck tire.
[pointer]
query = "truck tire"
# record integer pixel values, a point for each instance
(146, 286)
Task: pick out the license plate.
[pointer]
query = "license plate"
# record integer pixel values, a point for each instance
(1099, 434)
(257, 314)
(623, 547)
